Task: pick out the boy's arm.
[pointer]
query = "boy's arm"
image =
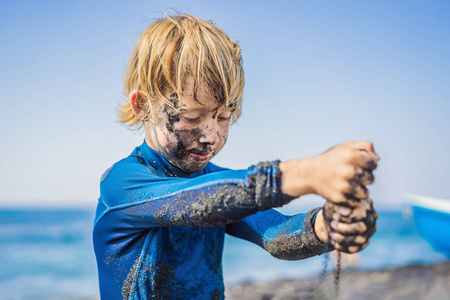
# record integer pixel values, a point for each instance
(136, 197)
(284, 237)
(305, 235)
(132, 193)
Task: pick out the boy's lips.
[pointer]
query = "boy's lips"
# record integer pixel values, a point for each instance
(200, 155)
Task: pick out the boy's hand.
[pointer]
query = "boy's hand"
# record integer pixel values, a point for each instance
(338, 175)
(347, 229)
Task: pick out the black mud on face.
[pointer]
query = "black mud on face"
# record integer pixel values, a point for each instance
(184, 139)
(176, 150)
(174, 100)
(180, 140)
(172, 117)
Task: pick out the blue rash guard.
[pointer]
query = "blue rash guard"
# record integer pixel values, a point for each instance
(159, 232)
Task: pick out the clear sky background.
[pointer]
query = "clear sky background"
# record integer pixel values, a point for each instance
(318, 73)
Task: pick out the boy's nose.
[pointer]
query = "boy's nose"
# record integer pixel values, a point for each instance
(210, 135)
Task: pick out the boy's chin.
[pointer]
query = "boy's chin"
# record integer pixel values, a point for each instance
(193, 166)
(194, 169)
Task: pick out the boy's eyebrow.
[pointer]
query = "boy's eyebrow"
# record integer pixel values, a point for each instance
(190, 109)
(197, 107)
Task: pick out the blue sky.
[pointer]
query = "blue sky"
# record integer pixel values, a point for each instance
(317, 74)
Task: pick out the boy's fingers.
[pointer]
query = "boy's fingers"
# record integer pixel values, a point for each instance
(337, 198)
(351, 227)
(364, 176)
(365, 245)
(341, 211)
(366, 160)
(348, 239)
(344, 248)
(345, 199)
(349, 249)
(358, 191)
(372, 228)
(362, 145)
(348, 229)
(358, 213)
(360, 210)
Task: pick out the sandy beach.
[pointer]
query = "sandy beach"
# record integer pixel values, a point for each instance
(429, 282)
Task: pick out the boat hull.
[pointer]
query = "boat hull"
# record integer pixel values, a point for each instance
(432, 218)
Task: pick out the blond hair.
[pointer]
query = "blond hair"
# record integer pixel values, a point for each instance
(177, 47)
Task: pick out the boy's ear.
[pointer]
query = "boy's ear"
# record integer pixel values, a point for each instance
(138, 103)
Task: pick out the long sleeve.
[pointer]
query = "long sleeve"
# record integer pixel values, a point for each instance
(146, 199)
(284, 237)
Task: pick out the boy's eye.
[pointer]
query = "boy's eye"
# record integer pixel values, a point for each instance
(191, 120)
(224, 117)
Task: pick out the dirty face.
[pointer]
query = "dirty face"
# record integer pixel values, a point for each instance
(189, 137)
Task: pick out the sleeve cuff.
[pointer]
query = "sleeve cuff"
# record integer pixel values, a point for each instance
(265, 180)
(309, 236)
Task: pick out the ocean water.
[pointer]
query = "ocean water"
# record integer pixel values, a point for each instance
(48, 254)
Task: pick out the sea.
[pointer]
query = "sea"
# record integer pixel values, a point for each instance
(48, 254)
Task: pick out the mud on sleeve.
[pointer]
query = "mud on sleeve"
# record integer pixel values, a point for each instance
(284, 237)
(142, 199)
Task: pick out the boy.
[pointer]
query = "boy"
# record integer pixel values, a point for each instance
(164, 210)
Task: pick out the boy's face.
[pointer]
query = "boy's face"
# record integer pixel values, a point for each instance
(189, 138)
